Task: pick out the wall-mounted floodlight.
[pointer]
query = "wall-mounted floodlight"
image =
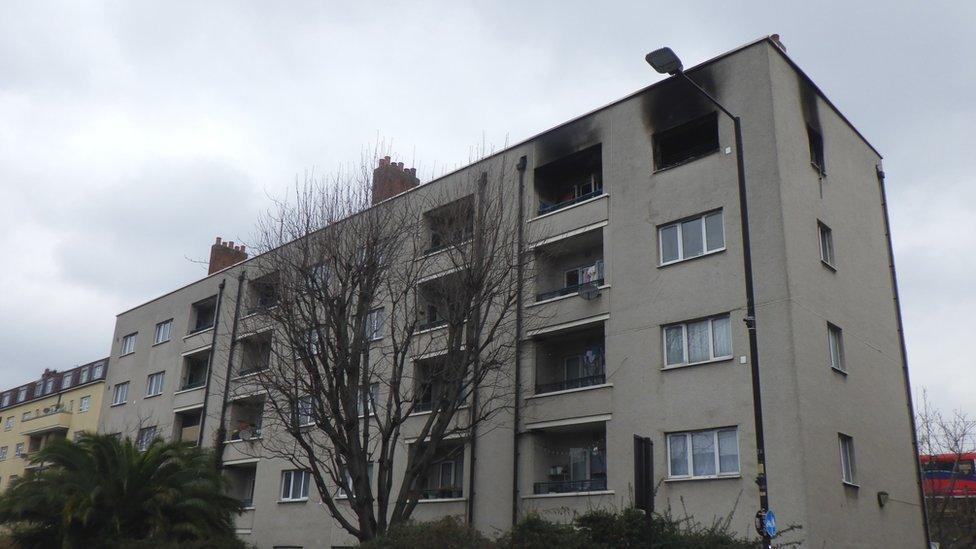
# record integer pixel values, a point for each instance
(664, 61)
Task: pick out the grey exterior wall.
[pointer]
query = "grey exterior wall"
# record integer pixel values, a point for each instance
(806, 403)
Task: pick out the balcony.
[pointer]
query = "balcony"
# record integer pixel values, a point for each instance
(450, 225)
(570, 266)
(570, 360)
(574, 383)
(569, 459)
(569, 486)
(245, 418)
(570, 180)
(51, 419)
(444, 479)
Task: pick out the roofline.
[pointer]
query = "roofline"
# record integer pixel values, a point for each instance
(57, 374)
(768, 39)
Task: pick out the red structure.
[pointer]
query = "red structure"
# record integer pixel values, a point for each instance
(949, 474)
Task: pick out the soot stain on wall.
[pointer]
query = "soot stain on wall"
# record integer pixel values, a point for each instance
(566, 140)
(675, 101)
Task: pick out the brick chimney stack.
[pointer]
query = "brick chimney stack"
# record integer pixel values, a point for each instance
(391, 179)
(225, 254)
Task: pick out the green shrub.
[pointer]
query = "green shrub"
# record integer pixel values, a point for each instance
(440, 534)
(535, 532)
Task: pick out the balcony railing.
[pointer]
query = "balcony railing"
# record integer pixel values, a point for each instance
(431, 325)
(247, 433)
(567, 290)
(574, 383)
(423, 406)
(441, 493)
(546, 207)
(252, 370)
(193, 384)
(569, 486)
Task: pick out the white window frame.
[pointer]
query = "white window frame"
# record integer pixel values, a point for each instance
(128, 344)
(308, 415)
(120, 389)
(49, 386)
(825, 237)
(690, 454)
(22, 394)
(375, 323)
(19, 449)
(84, 403)
(3, 453)
(848, 463)
(66, 380)
(681, 249)
(374, 394)
(83, 376)
(155, 383)
(9, 424)
(288, 481)
(97, 370)
(835, 348)
(6, 400)
(684, 339)
(341, 492)
(164, 332)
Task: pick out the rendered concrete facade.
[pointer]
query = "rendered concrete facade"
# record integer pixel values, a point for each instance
(59, 405)
(807, 403)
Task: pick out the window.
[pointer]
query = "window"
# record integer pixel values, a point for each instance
(128, 344)
(835, 342)
(570, 180)
(374, 323)
(826, 244)
(121, 393)
(49, 386)
(66, 380)
(686, 142)
(25, 416)
(22, 394)
(6, 400)
(703, 454)
(294, 485)
(154, 384)
(303, 411)
(3, 452)
(98, 370)
(83, 376)
(308, 344)
(204, 313)
(847, 466)
(84, 403)
(341, 491)
(374, 394)
(585, 274)
(816, 150)
(19, 449)
(690, 238)
(38, 389)
(163, 331)
(9, 424)
(698, 341)
(145, 437)
(195, 371)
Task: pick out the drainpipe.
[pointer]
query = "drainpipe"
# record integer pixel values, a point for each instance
(520, 270)
(478, 247)
(213, 347)
(222, 428)
(904, 351)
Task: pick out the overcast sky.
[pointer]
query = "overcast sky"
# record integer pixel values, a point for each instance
(133, 133)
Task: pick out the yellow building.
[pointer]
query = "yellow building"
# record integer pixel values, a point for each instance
(59, 405)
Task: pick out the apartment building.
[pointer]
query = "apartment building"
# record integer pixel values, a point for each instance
(58, 405)
(632, 228)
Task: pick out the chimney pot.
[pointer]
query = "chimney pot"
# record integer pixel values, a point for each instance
(224, 254)
(391, 179)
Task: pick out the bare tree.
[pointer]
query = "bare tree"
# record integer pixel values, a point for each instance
(947, 443)
(376, 314)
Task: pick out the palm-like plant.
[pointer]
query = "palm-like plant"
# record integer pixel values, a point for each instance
(101, 491)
